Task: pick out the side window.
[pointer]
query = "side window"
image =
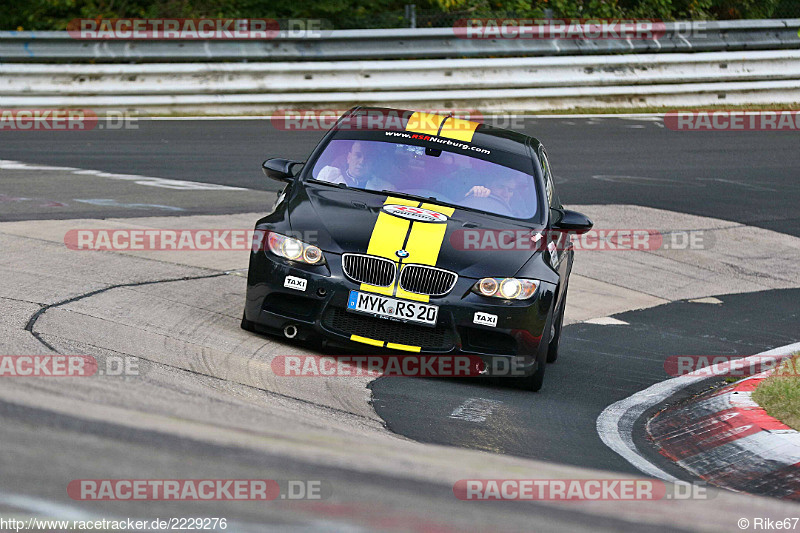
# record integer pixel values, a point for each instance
(552, 197)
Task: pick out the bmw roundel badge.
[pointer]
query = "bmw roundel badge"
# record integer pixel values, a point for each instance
(402, 254)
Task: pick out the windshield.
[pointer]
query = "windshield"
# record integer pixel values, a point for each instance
(449, 177)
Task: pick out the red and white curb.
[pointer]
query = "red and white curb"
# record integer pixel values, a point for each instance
(753, 457)
(727, 439)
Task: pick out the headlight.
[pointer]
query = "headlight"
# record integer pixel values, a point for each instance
(295, 250)
(488, 286)
(506, 288)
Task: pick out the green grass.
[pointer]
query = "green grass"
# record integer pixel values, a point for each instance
(779, 394)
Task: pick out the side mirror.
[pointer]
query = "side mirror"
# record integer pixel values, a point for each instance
(566, 220)
(279, 169)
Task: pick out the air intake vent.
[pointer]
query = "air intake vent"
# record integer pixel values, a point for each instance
(428, 280)
(439, 338)
(369, 269)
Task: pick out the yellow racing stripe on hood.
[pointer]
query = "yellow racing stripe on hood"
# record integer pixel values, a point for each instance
(423, 246)
(442, 126)
(387, 237)
(459, 129)
(427, 123)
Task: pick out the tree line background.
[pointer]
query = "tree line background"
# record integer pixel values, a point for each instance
(346, 14)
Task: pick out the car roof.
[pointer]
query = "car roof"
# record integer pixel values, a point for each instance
(483, 134)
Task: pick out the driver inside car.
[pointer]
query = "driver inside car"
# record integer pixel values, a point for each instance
(468, 179)
(502, 194)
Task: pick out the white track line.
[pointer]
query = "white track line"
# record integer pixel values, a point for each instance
(615, 423)
(606, 321)
(165, 183)
(475, 410)
(707, 300)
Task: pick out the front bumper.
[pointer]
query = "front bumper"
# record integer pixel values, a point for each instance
(319, 312)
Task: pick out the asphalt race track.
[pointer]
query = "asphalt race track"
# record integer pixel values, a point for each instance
(598, 365)
(749, 177)
(744, 182)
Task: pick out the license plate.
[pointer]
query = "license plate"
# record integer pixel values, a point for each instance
(376, 305)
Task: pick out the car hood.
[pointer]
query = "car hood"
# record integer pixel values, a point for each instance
(342, 220)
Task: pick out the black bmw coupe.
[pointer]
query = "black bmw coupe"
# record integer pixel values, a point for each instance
(421, 233)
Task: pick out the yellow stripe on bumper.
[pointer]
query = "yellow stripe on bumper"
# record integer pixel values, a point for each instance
(366, 340)
(405, 347)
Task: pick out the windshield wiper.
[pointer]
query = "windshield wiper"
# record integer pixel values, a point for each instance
(384, 191)
(418, 197)
(329, 184)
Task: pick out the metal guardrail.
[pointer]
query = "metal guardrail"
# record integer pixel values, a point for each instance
(502, 85)
(59, 47)
(293, 80)
(752, 62)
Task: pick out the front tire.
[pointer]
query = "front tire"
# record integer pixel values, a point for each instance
(535, 381)
(552, 348)
(246, 324)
